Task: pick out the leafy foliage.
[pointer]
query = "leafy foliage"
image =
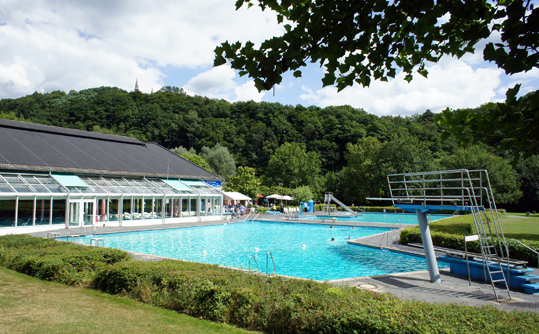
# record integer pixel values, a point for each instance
(244, 182)
(370, 161)
(197, 159)
(332, 137)
(293, 166)
(514, 123)
(220, 160)
(55, 261)
(503, 177)
(277, 304)
(358, 41)
(302, 194)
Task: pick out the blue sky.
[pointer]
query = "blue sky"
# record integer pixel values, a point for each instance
(73, 45)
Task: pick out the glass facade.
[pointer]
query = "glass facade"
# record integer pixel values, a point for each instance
(42, 199)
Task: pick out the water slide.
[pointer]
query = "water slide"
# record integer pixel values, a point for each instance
(328, 197)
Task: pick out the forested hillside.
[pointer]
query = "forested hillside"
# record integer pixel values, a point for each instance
(308, 150)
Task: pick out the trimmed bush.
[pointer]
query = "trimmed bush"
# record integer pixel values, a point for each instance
(456, 241)
(281, 305)
(262, 209)
(270, 304)
(53, 260)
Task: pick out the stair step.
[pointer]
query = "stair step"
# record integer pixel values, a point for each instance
(527, 278)
(532, 288)
(498, 280)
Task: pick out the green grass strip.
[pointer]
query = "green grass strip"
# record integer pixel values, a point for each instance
(269, 304)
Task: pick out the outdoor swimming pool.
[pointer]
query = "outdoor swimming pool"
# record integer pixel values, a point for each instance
(374, 217)
(233, 244)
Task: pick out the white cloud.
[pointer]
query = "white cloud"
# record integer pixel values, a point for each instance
(62, 45)
(219, 83)
(451, 83)
(54, 44)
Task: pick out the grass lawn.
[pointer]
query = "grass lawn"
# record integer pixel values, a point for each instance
(523, 214)
(30, 305)
(513, 228)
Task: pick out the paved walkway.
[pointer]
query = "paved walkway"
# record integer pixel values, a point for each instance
(414, 285)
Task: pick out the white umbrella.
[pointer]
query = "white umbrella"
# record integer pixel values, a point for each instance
(276, 196)
(287, 198)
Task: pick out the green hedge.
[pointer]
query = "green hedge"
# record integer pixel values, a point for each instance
(270, 304)
(52, 260)
(456, 241)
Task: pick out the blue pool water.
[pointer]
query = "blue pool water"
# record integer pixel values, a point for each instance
(373, 217)
(233, 244)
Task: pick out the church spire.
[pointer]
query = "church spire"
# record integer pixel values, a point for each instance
(136, 86)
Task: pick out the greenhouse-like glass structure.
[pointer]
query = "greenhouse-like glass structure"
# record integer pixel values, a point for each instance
(53, 181)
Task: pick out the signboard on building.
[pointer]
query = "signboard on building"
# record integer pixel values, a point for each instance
(213, 183)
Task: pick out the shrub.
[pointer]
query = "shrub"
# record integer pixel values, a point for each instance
(262, 209)
(456, 241)
(270, 304)
(54, 260)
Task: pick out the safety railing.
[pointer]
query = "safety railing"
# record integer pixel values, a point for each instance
(528, 247)
(252, 258)
(268, 256)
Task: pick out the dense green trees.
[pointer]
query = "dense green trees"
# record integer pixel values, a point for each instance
(339, 149)
(245, 182)
(220, 160)
(357, 41)
(503, 177)
(292, 166)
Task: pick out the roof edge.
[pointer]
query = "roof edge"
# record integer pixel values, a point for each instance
(80, 171)
(43, 128)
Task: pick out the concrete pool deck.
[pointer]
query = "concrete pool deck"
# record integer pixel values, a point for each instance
(412, 285)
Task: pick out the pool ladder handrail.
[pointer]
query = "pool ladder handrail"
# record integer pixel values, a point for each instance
(97, 242)
(53, 235)
(252, 221)
(268, 255)
(93, 227)
(75, 238)
(247, 216)
(388, 244)
(254, 258)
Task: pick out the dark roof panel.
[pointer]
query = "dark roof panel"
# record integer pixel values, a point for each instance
(42, 147)
(67, 132)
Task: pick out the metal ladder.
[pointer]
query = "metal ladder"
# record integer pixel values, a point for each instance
(464, 190)
(328, 197)
(494, 250)
(268, 257)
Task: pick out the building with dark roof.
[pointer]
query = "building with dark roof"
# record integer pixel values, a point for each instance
(51, 176)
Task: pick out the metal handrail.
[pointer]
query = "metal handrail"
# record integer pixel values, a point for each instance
(528, 247)
(396, 242)
(96, 241)
(247, 216)
(255, 217)
(254, 258)
(382, 240)
(268, 254)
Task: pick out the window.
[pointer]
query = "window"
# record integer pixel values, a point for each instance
(7, 212)
(25, 212)
(43, 210)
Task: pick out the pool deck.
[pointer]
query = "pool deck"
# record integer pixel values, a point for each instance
(412, 286)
